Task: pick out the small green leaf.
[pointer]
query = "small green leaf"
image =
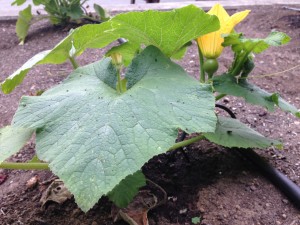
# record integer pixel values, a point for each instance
(101, 12)
(127, 50)
(39, 2)
(196, 220)
(232, 133)
(127, 189)
(18, 2)
(12, 139)
(239, 43)
(230, 85)
(74, 12)
(23, 23)
(84, 126)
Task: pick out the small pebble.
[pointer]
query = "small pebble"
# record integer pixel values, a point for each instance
(182, 211)
(278, 222)
(94, 223)
(285, 201)
(201, 209)
(268, 204)
(252, 188)
(226, 100)
(32, 182)
(284, 216)
(263, 113)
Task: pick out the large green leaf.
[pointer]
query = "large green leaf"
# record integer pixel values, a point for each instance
(240, 43)
(230, 85)
(93, 137)
(233, 133)
(169, 31)
(17, 77)
(23, 23)
(12, 140)
(127, 189)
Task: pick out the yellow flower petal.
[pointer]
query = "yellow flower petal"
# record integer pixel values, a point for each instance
(211, 44)
(220, 12)
(239, 16)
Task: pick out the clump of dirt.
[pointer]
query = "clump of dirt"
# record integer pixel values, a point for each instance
(204, 180)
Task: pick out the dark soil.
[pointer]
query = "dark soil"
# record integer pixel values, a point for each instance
(203, 180)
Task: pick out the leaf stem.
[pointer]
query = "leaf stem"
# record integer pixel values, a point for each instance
(119, 80)
(201, 62)
(218, 97)
(186, 142)
(74, 63)
(239, 64)
(24, 166)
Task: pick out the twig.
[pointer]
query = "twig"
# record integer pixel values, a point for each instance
(162, 190)
(291, 8)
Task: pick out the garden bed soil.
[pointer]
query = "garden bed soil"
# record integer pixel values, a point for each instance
(204, 180)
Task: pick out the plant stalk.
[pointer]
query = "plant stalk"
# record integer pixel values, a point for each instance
(74, 63)
(24, 166)
(220, 96)
(119, 80)
(201, 62)
(239, 65)
(186, 142)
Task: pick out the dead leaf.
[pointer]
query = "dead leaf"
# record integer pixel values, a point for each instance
(56, 192)
(136, 213)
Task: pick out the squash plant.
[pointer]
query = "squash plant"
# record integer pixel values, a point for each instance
(97, 129)
(59, 12)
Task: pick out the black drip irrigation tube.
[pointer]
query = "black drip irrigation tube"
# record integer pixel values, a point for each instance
(282, 182)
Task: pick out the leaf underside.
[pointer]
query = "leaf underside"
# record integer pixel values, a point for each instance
(94, 137)
(230, 85)
(256, 45)
(232, 133)
(12, 139)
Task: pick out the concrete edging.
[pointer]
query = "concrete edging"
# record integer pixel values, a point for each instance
(8, 12)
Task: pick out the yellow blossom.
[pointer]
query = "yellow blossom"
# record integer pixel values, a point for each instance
(211, 44)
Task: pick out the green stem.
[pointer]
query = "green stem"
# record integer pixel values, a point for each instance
(74, 63)
(201, 62)
(119, 80)
(218, 97)
(187, 142)
(210, 75)
(239, 65)
(24, 166)
(91, 18)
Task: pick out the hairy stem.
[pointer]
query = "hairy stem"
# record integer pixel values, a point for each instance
(240, 63)
(220, 96)
(186, 142)
(24, 166)
(201, 61)
(74, 63)
(119, 80)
